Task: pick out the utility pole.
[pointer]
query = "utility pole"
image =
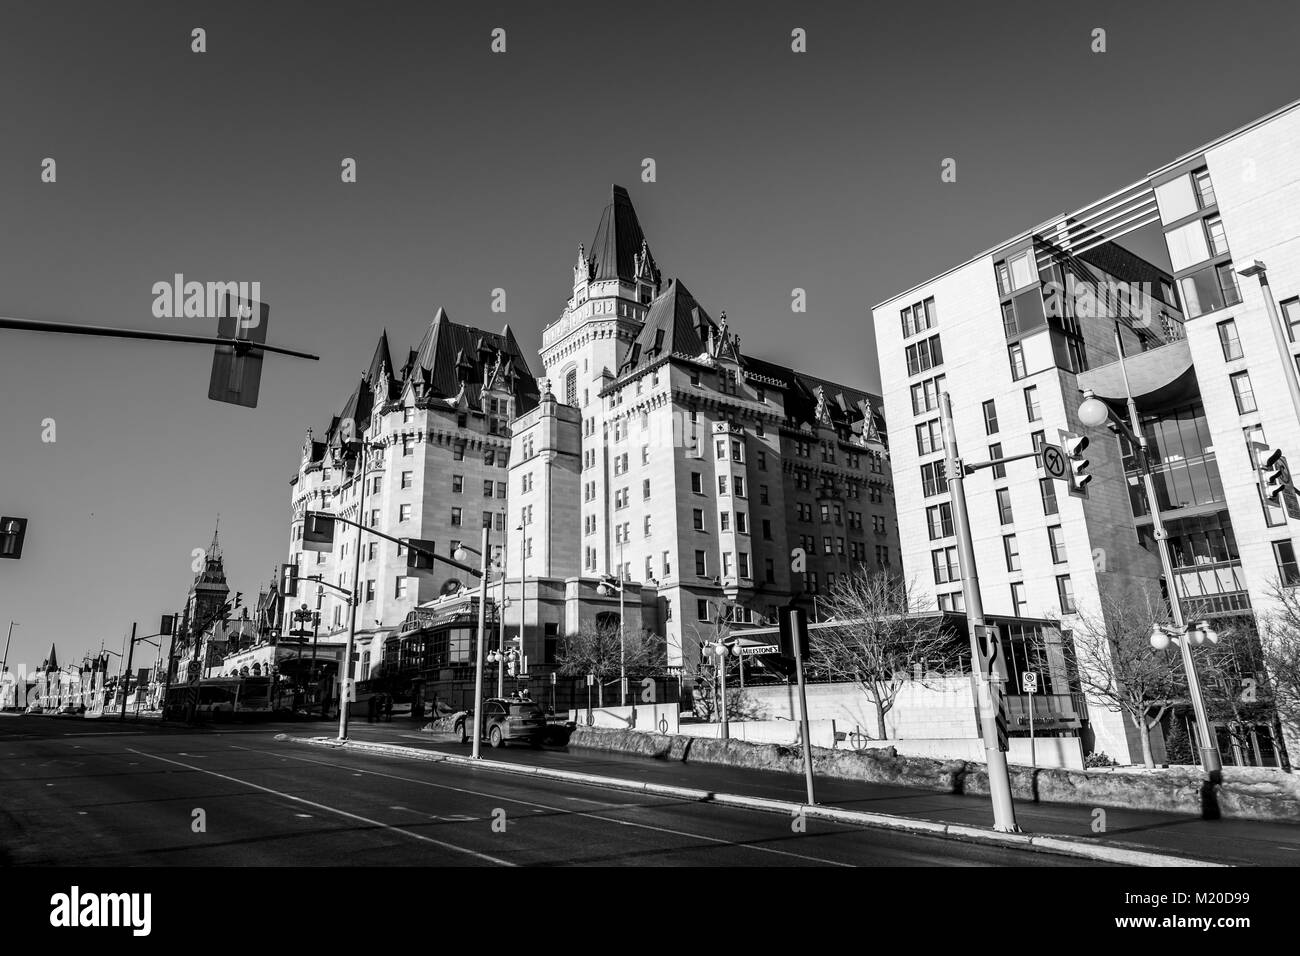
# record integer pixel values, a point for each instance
(482, 649)
(501, 616)
(988, 684)
(346, 675)
(130, 655)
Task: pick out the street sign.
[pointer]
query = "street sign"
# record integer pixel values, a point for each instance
(591, 680)
(1054, 462)
(1029, 682)
(746, 650)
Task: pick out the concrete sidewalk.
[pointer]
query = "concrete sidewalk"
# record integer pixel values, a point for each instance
(1128, 836)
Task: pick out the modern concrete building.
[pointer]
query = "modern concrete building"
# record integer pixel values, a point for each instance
(1203, 365)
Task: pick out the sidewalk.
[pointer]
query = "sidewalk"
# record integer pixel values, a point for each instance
(1237, 842)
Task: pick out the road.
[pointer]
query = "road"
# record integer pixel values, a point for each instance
(85, 793)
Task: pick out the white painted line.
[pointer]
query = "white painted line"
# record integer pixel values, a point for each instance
(329, 809)
(591, 816)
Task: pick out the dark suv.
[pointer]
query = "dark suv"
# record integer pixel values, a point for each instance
(506, 720)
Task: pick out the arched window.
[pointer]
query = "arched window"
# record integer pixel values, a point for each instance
(571, 387)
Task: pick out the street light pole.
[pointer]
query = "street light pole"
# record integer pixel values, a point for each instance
(523, 601)
(346, 675)
(988, 685)
(622, 647)
(501, 616)
(4, 662)
(1258, 268)
(482, 649)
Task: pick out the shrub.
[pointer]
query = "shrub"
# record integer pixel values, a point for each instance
(1098, 759)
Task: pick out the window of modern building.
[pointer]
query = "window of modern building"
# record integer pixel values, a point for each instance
(925, 395)
(1056, 542)
(924, 355)
(1243, 392)
(1204, 188)
(919, 317)
(1218, 239)
(945, 566)
(929, 437)
(1188, 245)
(995, 452)
(646, 526)
(1016, 353)
(934, 481)
(399, 587)
(1032, 409)
(990, 417)
(951, 601)
(1291, 316)
(1004, 506)
(939, 520)
(742, 563)
(645, 488)
(739, 486)
(697, 483)
(1213, 287)
(722, 484)
(1229, 341)
(742, 523)
(1047, 489)
(701, 564)
(487, 519)
(1011, 549)
(1065, 593)
(724, 518)
(1018, 599)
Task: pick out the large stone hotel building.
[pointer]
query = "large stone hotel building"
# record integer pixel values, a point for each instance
(652, 449)
(1021, 333)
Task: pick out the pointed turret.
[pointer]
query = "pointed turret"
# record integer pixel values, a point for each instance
(620, 249)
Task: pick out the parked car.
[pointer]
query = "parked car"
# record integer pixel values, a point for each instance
(506, 720)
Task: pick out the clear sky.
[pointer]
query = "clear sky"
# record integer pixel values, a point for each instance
(478, 171)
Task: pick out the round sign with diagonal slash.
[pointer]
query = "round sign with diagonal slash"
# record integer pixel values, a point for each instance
(1054, 461)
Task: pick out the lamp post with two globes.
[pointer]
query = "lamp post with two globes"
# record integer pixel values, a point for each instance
(1093, 413)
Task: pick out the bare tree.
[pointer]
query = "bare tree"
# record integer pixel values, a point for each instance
(597, 650)
(1116, 664)
(881, 638)
(1280, 650)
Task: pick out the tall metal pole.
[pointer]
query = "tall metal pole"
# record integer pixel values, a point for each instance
(501, 617)
(799, 629)
(988, 686)
(4, 662)
(722, 673)
(523, 598)
(130, 655)
(345, 682)
(1279, 334)
(622, 649)
(315, 633)
(482, 649)
(1210, 760)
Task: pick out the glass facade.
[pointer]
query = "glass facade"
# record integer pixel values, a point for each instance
(1184, 468)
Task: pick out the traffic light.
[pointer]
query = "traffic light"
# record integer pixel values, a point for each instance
(12, 532)
(794, 625)
(317, 532)
(1074, 447)
(1276, 474)
(419, 554)
(168, 625)
(239, 599)
(237, 368)
(289, 580)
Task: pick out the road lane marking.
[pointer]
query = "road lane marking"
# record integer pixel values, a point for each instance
(329, 809)
(576, 813)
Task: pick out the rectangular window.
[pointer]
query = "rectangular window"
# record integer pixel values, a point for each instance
(1210, 288)
(1218, 239)
(455, 514)
(769, 571)
(489, 487)
(724, 518)
(742, 523)
(457, 483)
(1243, 392)
(1291, 316)
(742, 564)
(1229, 340)
(924, 355)
(934, 481)
(945, 565)
(1017, 356)
(990, 417)
(767, 529)
(701, 565)
(407, 479)
(1204, 188)
(697, 483)
(740, 487)
(487, 519)
(1056, 541)
(1065, 593)
(399, 588)
(1004, 506)
(1018, 600)
(1032, 408)
(722, 484)
(458, 453)
(1047, 488)
(939, 519)
(929, 437)
(995, 452)
(1011, 548)
(645, 488)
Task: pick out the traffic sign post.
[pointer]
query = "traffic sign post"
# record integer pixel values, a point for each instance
(1029, 683)
(794, 634)
(1054, 462)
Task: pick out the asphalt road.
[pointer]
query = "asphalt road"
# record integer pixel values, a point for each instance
(86, 793)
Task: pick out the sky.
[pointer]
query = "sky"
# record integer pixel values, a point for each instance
(479, 170)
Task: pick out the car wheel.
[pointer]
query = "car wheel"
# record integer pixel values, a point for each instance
(460, 729)
(495, 737)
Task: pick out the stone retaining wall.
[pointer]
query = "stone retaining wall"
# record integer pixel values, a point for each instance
(1243, 793)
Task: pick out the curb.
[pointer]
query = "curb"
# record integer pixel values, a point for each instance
(1061, 845)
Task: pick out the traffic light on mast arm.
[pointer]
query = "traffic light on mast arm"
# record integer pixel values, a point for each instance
(1074, 446)
(289, 580)
(12, 532)
(1276, 474)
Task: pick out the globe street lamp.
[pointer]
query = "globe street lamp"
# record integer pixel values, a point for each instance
(605, 588)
